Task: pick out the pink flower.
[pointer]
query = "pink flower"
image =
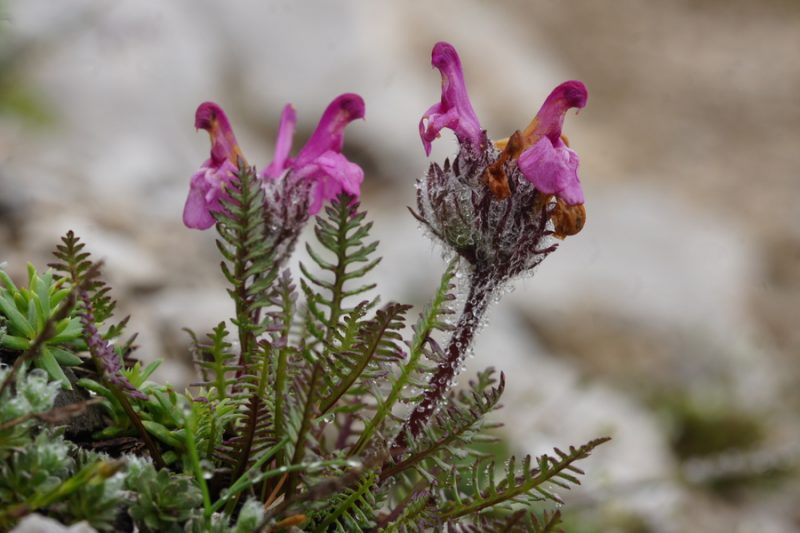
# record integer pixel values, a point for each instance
(280, 161)
(208, 184)
(455, 110)
(541, 153)
(549, 164)
(320, 161)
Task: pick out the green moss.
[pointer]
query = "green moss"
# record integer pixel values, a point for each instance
(699, 431)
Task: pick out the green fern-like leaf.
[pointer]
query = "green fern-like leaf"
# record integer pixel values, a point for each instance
(377, 341)
(76, 265)
(255, 432)
(251, 269)
(350, 510)
(215, 360)
(248, 264)
(342, 233)
(520, 521)
(284, 304)
(409, 515)
(415, 368)
(213, 416)
(523, 484)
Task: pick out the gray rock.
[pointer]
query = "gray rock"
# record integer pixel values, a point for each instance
(36, 523)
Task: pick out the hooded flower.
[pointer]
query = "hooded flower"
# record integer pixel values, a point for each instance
(320, 161)
(549, 163)
(542, 153)
(208, 184)
(496, 203)
(455, 110)
(319, 169)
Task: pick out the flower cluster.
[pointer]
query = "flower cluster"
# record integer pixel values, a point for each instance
(318, 173)
(496, 203)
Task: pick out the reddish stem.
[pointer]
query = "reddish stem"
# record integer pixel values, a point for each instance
(481, 286)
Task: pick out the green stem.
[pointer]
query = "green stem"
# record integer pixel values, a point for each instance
(191, 449)
(244, 481)
(280, 391)
(281, 370)
(155, 454)
(299, 449)
(254, 406)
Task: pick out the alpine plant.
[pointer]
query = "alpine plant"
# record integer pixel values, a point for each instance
(316, 408)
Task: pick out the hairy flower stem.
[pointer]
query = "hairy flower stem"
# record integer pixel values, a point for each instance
(482, 285)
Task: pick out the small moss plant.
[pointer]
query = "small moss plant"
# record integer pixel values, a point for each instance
(317, 408)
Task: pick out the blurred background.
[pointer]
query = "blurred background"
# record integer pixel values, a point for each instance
(671, 323)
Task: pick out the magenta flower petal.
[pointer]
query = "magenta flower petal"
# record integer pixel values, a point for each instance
(205, 190)
(321, 160)
(329, 134)
(455, 110)
(553, 170)
(210, 117)
(549, 163)
(281, 161)
(332, 174)
(208, 184)
(550, 119)
(345, 174)
(320, 163)
(196, 214)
